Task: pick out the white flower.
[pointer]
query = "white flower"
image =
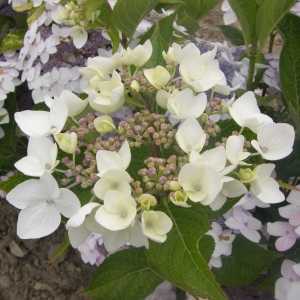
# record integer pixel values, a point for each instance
(137, 56)
(77, 231)
(43, 123)
(106, 96)
(79, 36)
(183, 104)
(200, 182)
(190, 136)
(176, 54)
(117, 180)
(235, 150)
(223, 244)
(264, 187)
(274, 141)
(243, 221)
(246, 112)
(41, 157)
(117, 212)
(202, 72)
(41, 202)
(110, 160)
(67, 141)
(156, 225)
(158, 76)
(162, 98)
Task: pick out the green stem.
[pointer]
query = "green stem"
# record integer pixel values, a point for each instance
(251, 71)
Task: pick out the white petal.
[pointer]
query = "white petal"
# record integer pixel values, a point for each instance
(74, 103)
(190, 136)
(30, 166)
(79, 36)
(26, 193)
(108, 160)
(233, 189)
(156, 225)
(294, 196)
(77, 235)
(34, 123)
(58, 116)
(37, 221)
(125, 155)
(67, 203)
(51, 189)
(77, 219)
(234, 149)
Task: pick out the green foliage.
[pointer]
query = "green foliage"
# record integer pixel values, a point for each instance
(247, 262)
(13, 181)
(161, 40)
(124, 275)
(246, 11)
(191, 11)
(290, 66)
(127, 14)
(179, 260)
(12, 41)
(8, 144)
(269, 14)
(233, 34)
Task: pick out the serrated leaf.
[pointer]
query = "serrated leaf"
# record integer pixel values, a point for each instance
(124, 275)
(161, 40)
(179, 260)
(246, 263)
(233, 35)
(269, 14)
(127, 14)
(289, 66)
(246, 11)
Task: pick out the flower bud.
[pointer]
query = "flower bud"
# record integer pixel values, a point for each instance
(179, 198)
(104, 124)
(135, 86)
(174, 186)
(246, 175)
(147, 201)
(67, 142)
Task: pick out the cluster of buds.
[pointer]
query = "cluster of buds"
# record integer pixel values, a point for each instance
(159, 175)
(146, 127)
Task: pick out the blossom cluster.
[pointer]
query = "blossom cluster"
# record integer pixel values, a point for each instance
(89, 145)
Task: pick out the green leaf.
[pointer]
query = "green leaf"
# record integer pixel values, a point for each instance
(269, 14)
(247, 262)
(192, 10)
(161, 40)
(8, 143)
(12, 41)
(179, 260)
(12, 182)
(246, 11)
(233, 34)
(124, 275)
(127, 14)
(289, 66)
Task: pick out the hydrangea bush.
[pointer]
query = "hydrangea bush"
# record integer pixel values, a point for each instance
(164, 157)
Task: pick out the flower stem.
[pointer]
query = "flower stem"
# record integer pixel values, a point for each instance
(251, 71)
